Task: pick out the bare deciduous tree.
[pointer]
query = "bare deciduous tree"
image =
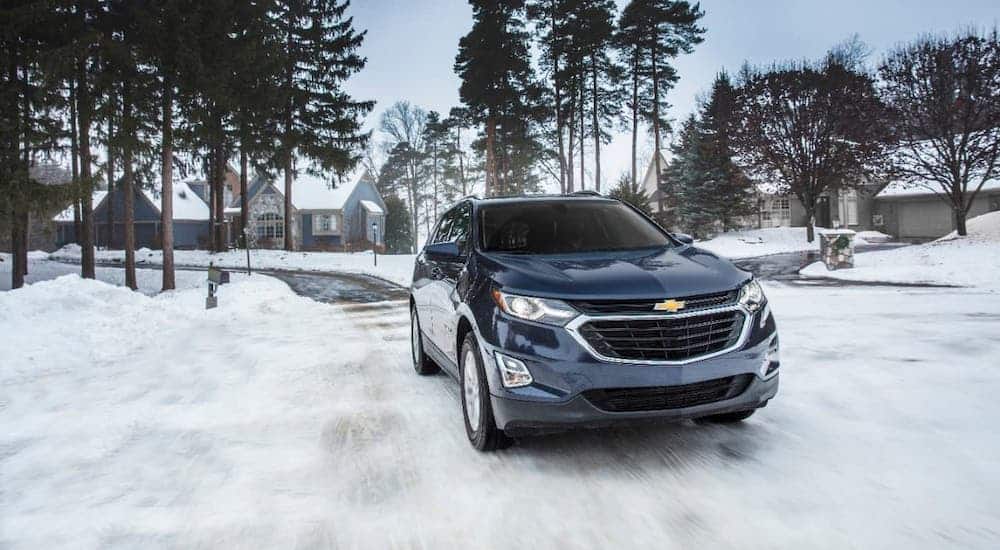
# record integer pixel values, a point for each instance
(810, 129)
(944, 99)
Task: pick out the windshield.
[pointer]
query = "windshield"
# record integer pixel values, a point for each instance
(553, 227)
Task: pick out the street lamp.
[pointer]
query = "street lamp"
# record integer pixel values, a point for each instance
(375, 242)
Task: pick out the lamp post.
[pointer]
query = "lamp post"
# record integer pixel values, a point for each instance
(375, 242)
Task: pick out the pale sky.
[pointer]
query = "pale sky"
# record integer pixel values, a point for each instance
(411, 46)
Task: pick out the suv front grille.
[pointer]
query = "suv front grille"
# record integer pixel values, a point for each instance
(625, 307)
(668, 397)
(665, 338)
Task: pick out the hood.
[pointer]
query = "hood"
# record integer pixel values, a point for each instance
(635, 274)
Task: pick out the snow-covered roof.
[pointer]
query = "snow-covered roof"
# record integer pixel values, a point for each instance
(67, 214)
(371, 207)
(898, 189)
(316, 193)
(187, 204)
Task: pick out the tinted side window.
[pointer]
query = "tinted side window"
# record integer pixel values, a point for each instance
(461, 229)
(443, 228)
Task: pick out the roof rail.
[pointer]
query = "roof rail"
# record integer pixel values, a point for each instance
(587, 193)
(472, 196)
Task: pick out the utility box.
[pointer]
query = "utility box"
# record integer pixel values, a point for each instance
(836, 248)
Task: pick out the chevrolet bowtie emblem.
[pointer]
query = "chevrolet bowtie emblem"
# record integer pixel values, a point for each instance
(671, 305)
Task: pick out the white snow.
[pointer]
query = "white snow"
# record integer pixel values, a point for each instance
(904, 189)
(759, 242)
(187, 204)
(150, 281)
(371, 206)
(311, 192)
(277, 422)
(871, 236)
(963, 261)
(67, 214)
(395, 268)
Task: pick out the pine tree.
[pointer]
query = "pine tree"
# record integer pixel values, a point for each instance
(660, 30)
(31, 98)
(319, 122)
(500, 92)
(632, 193)
(727, 191)
(398, 238)
(594, 38)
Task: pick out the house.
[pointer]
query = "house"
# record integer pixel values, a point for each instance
(849, 208)
(325, 216)
(191, 219)
(915, 212)
(42, 230)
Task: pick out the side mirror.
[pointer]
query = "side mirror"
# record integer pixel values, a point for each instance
(443, 251)
(684, 238)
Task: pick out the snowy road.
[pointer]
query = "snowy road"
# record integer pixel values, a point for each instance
(276, 421)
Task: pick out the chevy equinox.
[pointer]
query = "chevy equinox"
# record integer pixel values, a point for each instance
(577, 310)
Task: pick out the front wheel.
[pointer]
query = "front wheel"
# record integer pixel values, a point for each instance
(480, 425)
(421, 363)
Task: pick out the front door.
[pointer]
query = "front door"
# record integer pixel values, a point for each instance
(823, 218)
(451, 273)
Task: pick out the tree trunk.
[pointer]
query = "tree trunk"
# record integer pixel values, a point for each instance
(244, 200)
(583, 129)
(570, 146)
(16, 243)
(810, 222)
(74, 159)
(83, 110)
(656, 136)
(128, 186)
(491, 160)
(219, 196)
(557, 88)
(167, 183)
(109, 211)
(597, 127)
(210, 189)
(289, 241)
(635, 117)
(960, 217)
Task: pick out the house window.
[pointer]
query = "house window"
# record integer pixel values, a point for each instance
(777, 212)
(848, 207)
(270, 226)
(324, 224)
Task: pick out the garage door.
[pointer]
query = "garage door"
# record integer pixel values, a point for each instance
(924, 219)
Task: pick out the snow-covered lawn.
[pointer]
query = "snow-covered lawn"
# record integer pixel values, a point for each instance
(777, 240)
(150, 281)
(952, 260)
(277, 422)
(395, 268)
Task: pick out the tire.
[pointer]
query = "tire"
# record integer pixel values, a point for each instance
(422, 364)
(727, 418)
(477, 411)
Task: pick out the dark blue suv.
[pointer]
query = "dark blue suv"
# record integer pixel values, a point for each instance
(578, 310)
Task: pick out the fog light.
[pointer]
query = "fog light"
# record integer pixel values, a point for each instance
(513, 372)
(772, 360)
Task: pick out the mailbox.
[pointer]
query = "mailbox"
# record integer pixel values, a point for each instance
(216, 277)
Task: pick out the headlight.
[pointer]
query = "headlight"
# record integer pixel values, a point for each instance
(543, 310)
(752, 296)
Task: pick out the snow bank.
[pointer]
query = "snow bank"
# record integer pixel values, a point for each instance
(985, 227)
(150, 281)
(395, 268)
(759, 242)
(134, 421)
(951, 260)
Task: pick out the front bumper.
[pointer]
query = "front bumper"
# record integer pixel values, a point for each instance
(563, 371)
(516, 416)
